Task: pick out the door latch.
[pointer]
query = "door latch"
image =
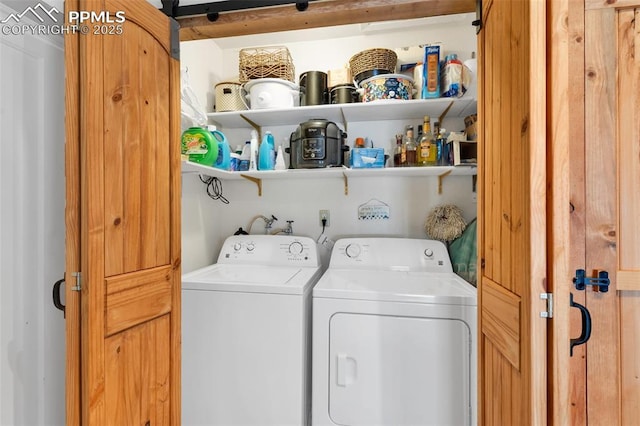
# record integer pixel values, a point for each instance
(601, 283)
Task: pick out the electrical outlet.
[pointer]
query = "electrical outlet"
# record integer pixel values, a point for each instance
(324, 214)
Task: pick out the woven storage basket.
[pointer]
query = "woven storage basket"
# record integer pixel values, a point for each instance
(229, 97)
(266, 62)
(373, 59)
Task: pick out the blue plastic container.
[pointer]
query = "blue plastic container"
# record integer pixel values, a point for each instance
(224, 151)
(267, 153)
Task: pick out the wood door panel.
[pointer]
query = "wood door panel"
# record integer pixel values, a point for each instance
(72, 222)
(504, 387)
(600, 4)
(136, 153)
(137, 375)
(127, 166)
(603, 379)
(139, 302)
(512, 212)
(628, 235)
(501, 320)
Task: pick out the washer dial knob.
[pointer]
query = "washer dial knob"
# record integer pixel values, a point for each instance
(237, 247)
(250, 246)
(429, 253)
(353, 250)
(296, 247)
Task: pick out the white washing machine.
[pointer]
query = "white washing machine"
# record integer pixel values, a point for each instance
(246, 334)
(394, 337)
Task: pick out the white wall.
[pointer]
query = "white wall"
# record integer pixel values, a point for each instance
(206, 223)
(32, 338)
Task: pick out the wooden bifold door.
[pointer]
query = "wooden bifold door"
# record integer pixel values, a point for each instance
(123, 218)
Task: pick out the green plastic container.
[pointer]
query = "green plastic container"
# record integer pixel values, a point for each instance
(200, 145)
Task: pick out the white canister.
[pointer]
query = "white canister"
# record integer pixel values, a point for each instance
(230, 96)
(266, 93)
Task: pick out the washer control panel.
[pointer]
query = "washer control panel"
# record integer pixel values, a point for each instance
(269, 250)
(398, 254)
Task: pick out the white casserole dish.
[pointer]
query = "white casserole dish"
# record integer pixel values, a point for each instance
(267, 93)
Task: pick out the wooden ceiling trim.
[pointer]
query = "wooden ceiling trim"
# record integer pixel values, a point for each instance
(319, 14)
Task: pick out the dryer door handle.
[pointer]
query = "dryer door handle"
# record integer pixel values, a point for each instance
(347, 370)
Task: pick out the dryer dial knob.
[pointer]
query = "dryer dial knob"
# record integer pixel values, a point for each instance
(295, 247)
(353, 250)
(429, 253)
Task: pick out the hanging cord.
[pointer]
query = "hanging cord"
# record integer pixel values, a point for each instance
(324, 225)
(214, 188)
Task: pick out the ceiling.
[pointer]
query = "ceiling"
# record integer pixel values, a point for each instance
(341, 31)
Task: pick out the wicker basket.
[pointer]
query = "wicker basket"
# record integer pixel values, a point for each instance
(266, 62)
(373, 59)
(229, 97)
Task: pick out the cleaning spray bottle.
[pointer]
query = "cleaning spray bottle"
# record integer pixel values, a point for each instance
(253, 153)
(224, 151)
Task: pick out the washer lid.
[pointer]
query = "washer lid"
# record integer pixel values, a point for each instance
(251, 279)
(396, 286)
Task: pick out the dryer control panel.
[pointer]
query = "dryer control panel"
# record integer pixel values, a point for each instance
(274, 250)
(396, 254)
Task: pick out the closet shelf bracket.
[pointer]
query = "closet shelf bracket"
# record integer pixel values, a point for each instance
(441, 178)
(254, 125)
(344, 120)
(346, 183)
(445, 112)
(255, 180)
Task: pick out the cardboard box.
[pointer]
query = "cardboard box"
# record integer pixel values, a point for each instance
(339, 76)
(431, 73)
(367, 158)
(470, 130)
(463, 152)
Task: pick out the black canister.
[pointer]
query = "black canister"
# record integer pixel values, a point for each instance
(313, 88)
(344, 94)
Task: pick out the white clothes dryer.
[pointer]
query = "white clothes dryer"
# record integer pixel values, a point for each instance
(394, 337)
(246, 334)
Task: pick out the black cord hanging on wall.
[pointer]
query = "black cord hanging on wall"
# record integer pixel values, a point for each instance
(214, 188)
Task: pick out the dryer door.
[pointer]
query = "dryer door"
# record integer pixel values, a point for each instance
(399, 370)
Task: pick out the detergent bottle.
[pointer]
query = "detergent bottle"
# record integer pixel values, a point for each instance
(200, 146)
(224, 150)
(267, 154)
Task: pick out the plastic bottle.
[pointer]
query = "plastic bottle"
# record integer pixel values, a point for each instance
(224, 151)
(200, 146)
(245, 157)
(443, 153)
(280, 165)
(267, 154)
(253, 151)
